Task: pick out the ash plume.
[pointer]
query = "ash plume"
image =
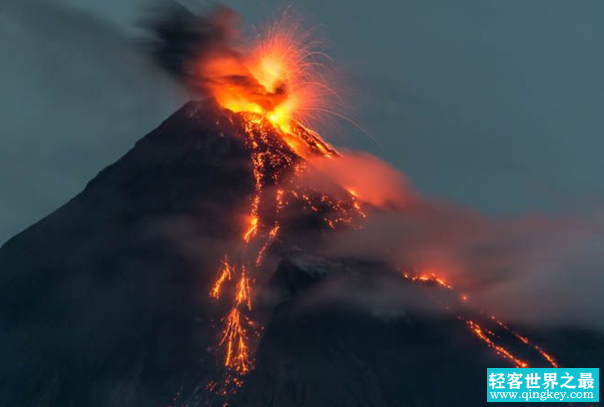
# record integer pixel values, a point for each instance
(202, 52)
(180, 37)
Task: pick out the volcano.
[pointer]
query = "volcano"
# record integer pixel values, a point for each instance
(137, 291)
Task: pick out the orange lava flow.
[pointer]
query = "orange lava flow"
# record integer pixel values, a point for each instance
(276, 167)
(484, 334)
(243, 291)
(272, 89)
(549, 358)
(479, 332)
(272, 157)
(252, 228)
(253, 225)
(235, 338)
(428, 277)
(225, 273)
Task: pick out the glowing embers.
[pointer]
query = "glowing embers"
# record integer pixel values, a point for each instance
(277, 163)
(225, 274)
(235, 334)
(243, 291)
(549, 358)
(287, 140)
(333, 211)
(273, 232)
(427, 277)
(235, 338)
(253, 226)
(305, 141)
(280, 76)
(501, 343)
(482, 335)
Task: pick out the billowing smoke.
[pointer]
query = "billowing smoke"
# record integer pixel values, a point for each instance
(364, 175)
(533, 269)
(181, 37)
(202, 51)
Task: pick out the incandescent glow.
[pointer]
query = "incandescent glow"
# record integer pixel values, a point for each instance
(280, 76)
(278, 159)
(252, 228)
(486, 335)
(243, 291)
(427, 277)
(482, 335)
(235, 338)
(271, 91)
(225, 273)
(549, 358)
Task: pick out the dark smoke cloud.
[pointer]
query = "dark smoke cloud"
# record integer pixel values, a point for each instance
(530, 268)
(203, 52)
(180, 37)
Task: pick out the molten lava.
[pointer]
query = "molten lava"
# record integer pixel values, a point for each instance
(486, 335)
(225, 273)
(272, 88)
(483, 336)
(277, 160)
(280, 77)
(235, 338)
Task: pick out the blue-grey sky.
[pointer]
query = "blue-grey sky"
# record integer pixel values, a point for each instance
(495, 104)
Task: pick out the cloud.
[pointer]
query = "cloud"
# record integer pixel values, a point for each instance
(533, 268)
(364, 175)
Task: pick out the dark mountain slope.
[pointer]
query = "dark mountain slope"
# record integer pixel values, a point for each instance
(104, 302)
(99, 300)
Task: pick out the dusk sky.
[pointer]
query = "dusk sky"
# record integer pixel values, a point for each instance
(494, 104)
